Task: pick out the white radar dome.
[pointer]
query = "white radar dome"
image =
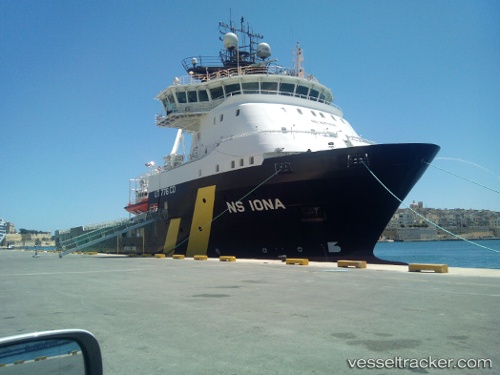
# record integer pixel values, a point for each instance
(230, 41)
(263, 50)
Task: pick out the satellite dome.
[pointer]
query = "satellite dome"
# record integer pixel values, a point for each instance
(263, 50)
(230, 41)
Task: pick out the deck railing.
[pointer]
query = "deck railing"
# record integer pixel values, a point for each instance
(241, 71)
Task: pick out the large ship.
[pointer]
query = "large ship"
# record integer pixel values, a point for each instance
(273, 168)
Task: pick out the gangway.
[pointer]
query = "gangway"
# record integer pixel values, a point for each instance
(115, 228)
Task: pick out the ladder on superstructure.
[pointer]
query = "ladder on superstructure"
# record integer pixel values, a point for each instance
(115, 228)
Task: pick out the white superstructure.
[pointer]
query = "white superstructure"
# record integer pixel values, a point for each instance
(239, 116)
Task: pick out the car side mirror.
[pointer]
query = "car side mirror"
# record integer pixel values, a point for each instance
(71, 351)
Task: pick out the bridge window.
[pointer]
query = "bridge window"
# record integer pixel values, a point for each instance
(270, 87)
(192, 96)
(313, 94)
(168, 106)
(217, 93)
(233, 89)
(181, 96)
(286, 88)
(203, 95)
(325, 97)
(250, 87)
(302, 91)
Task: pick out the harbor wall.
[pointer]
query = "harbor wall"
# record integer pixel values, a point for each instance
(434, 234)
(29, 239)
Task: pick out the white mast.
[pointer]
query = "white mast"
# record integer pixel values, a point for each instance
(174, 158)
(299, 59)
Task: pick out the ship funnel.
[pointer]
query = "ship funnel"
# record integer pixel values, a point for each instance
(230, 41)
(263, 50)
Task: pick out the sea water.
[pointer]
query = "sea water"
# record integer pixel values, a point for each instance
(453, 253)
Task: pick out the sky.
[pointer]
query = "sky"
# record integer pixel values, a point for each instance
(78, 81)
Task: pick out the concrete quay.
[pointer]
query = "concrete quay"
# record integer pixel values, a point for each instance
(184, 316)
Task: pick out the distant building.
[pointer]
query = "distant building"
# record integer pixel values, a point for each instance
(415, 223)
(10, 227)
(411, 234)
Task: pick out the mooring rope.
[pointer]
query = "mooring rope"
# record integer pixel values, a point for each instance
(462, 177)
(227, 209)
(423, 217)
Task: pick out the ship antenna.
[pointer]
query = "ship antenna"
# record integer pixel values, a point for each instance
(299, 59)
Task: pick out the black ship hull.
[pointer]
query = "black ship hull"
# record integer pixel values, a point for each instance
(323, 206)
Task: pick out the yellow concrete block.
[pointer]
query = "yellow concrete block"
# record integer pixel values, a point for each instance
(178, 256)
(301, 261)
(438, 268)
(91, 253)
(227, 258)
(200, 257)
(159, 255)
(352, 263)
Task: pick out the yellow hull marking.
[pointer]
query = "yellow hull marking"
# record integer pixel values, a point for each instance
(171, 238)
(202, 221)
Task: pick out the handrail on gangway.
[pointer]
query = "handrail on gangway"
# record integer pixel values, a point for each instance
(105, 233)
